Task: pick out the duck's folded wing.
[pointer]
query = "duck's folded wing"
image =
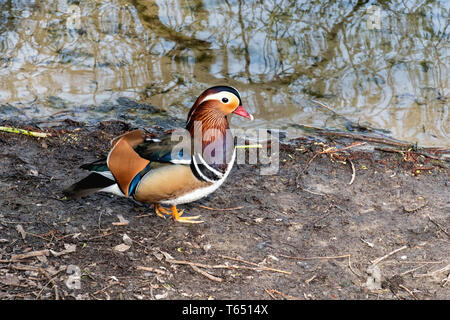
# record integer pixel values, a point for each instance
(123, 162)
(132, 155)
(164, 150)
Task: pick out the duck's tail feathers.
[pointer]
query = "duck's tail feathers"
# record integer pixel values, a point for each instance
(92, 183)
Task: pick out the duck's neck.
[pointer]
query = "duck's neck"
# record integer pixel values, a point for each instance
(217, 143)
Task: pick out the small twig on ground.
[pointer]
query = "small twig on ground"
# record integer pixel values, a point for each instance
(25, 132)
(255, 264)
(353, 172)
(270, 293)
(354, 144)
(222, 266)
(122, 221)
(219, 209)
(331, 150)
(310, 279)
(315, 258)
(149, 269)
(431, 274)
(284, 295)
(412, 270)
(31, 254)
(445, 281)
(351, 268)
(50, 280)
(107, 287)
(407, 290)
(206, 274)
(100, 236)
(378, 260)
(22, 267)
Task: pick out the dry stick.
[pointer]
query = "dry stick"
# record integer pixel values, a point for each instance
(354, 136)
(378, 260)
(331, 150)
(284, 295)
(22, 267)
(426, 154)
(407, 290)
(270, 293)
(412, 270)
(222, 266)
(100, 236)
(438, 225)
(428, 274)
(354, 144)
(255, 264)
(154, 270)
(316, 258)
(310, 279)
(206, 274)
(31, 254)
(353, 172)
(25, 132)
(385, 141)
(52, 281)
(218, 209)
(329, 257)
(107, 287)
(351, 268)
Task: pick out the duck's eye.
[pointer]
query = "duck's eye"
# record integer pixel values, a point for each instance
(224, 100)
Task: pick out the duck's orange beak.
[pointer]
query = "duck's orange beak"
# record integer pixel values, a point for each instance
(242, 112)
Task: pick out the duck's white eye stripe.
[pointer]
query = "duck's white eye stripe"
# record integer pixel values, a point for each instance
(222, 96)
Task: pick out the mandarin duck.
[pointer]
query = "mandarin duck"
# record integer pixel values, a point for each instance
(158, 172)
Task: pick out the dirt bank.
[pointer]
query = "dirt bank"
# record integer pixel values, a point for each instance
(304, 233)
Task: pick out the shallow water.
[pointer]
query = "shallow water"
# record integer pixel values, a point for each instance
(385, 65)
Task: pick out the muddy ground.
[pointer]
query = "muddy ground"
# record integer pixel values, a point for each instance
(304, 233)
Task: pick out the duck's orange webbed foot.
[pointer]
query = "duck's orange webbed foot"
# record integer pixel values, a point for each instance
(176, 215)
(160, 210)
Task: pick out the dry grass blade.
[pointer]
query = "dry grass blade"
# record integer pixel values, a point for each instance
(316, 258)
(219, 209)
(256, 265)
(378, 260)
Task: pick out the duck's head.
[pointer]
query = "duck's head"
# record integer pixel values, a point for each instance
(214, 104)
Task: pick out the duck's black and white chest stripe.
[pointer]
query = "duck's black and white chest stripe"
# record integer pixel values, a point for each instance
(203, 172)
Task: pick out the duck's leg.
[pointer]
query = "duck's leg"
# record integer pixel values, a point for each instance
(160, 210)
(177, 216)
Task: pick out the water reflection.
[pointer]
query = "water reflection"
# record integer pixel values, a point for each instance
(279, 53)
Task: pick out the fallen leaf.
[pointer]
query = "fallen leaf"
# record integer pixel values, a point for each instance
(122, 247)
(69, 248)
(161, 296)
(22, 232)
